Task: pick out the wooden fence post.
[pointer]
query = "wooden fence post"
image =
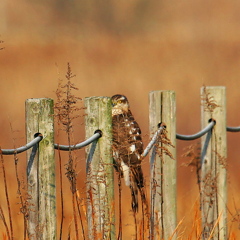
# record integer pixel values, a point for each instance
(214, 165)
(100, 179)
(163, 168)
(41, 173)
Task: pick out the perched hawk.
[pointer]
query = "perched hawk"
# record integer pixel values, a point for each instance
(127, 148)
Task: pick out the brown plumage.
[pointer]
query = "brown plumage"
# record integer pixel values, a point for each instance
(127, 148)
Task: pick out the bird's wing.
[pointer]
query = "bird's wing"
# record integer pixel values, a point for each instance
(127, 150)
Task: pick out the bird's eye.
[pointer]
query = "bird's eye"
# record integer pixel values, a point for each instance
(119, 101)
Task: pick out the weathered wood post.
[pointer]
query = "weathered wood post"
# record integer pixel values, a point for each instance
(41, 173)
(163, 168)
(100, 179)
(214, 165)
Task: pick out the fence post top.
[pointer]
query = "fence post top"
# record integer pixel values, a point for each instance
(97, 97)
(155, 91)
(37, 99)
(212, 87)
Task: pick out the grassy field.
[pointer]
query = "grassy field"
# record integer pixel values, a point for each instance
(130, 48)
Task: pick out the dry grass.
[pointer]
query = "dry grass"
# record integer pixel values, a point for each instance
(187, 44)
(66, 111)
(76, 227)
(208, 101)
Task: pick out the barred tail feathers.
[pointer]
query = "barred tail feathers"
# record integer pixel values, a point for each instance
(137, 183)
(134, 194)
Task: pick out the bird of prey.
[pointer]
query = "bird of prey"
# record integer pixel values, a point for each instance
(127, 148)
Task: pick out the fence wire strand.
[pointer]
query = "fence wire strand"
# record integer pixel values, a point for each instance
(162, 126)
(233, 129)
(197, 135)
(31, 159)
(98, 133)
(205, 146)
(37, 139)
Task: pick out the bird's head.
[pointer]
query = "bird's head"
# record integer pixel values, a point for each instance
(120, 104)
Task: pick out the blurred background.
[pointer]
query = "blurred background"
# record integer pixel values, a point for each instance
(127, 47)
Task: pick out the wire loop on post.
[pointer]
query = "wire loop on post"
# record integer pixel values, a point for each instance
(37, 139)
(161, 127)
(199, 134)
(205, 146)
(97, 134)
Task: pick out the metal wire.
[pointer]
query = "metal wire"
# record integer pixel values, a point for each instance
(90, 155)
(23, 148)
(97, 134)
(197, 135)
(153, 140)
(205, 146)
(39, 137)
(31, 159)
(233, 129)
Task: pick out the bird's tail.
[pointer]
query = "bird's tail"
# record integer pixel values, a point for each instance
(134, 193)
(137, 183)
